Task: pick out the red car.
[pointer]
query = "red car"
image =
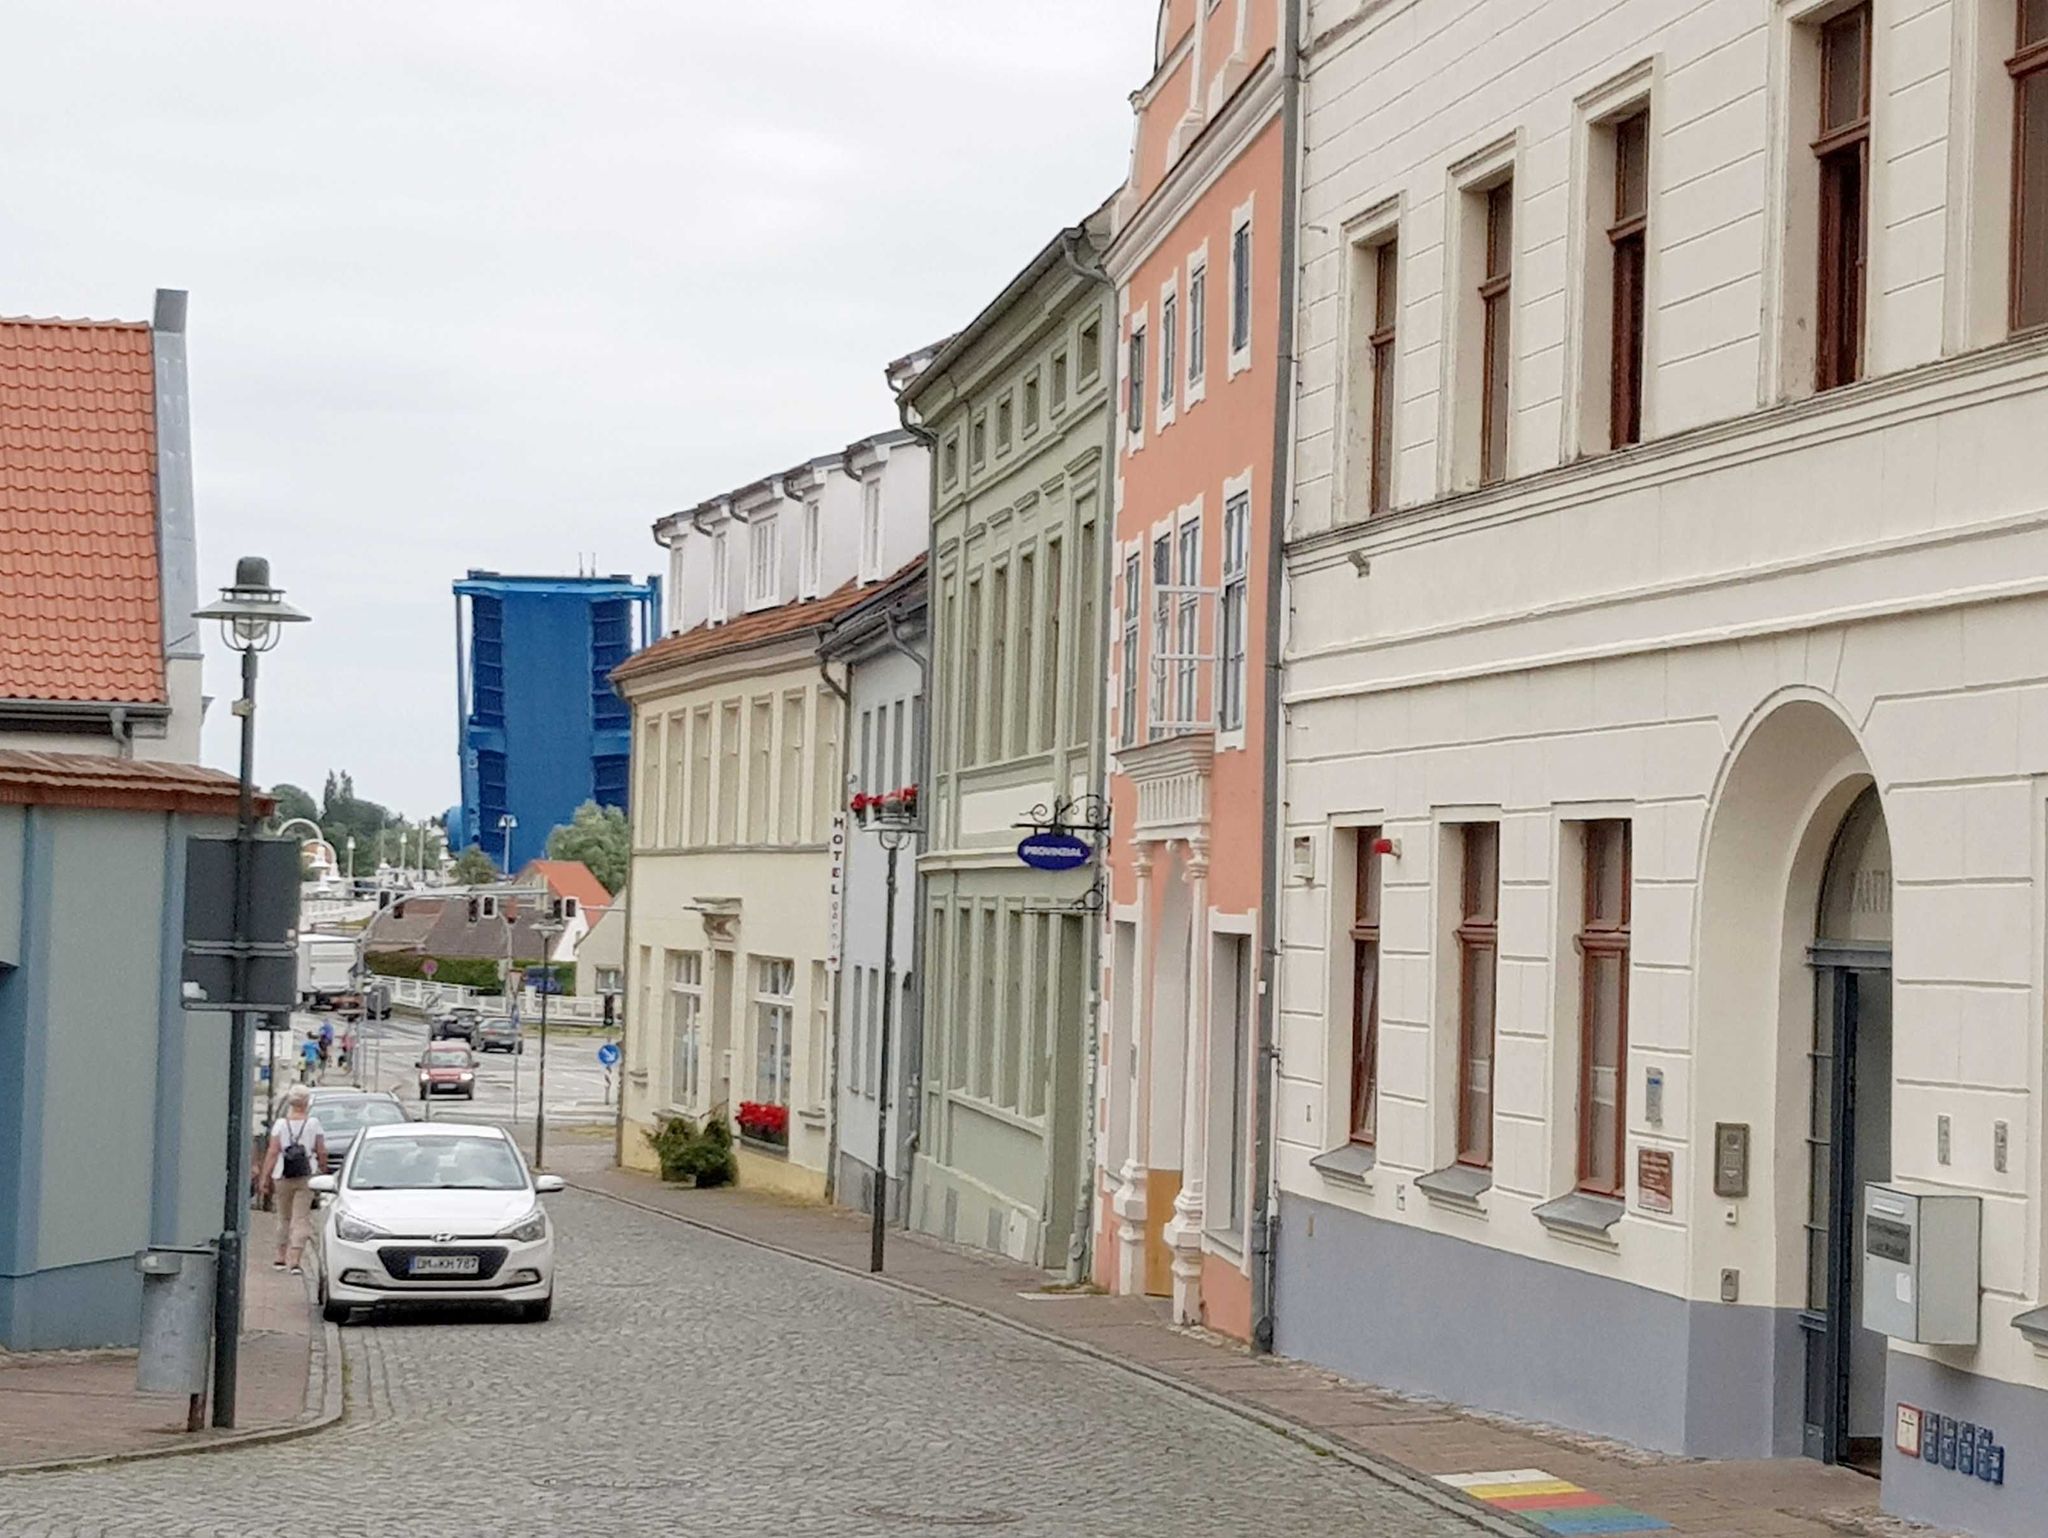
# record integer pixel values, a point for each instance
(446, 1070)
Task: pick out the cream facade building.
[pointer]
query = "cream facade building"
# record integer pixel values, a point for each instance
(739, 774)
(1666, 810)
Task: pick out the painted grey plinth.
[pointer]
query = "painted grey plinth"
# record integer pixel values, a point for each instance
(1428, 1314)
(1943, 1498)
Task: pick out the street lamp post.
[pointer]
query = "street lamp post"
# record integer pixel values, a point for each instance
(894, 821)
(547, 928)
(252, 617)
(506, 824)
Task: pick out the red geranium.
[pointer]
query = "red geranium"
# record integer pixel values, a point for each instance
(759, 1119)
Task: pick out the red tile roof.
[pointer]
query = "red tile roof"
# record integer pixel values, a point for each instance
(571, 878)
(81, 614)
(124, 784)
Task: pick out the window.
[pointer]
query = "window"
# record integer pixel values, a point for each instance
(1627, 238)
(1365, 988)
(761, 768)
(700, 775)
(728, 792)
(774, 1025)
(951, 458)
(1497, 359)
(813, 564)
(1198, 327)
(1478, 937)
(1006, 424)
(2029, 70)
(1187, 623)
(1843, 147)
(1010, 1067)
(1162, 620)
(676, 764)
(1386, 265)
(978, 437)
(789, 828)
(1028, 670)
(647, 812)
(1088, 351)
(611, 980)
(1031, 391)
(1169, 358)
(764, 554)
(685, 1028)
(987, 1016)
(1049, 694)
(871, 528)
(972, 684)
(998, 662)
(1059, 383)
(1603, 1007)
(721, 579)
(1087, 692)
(1128, 716)
(827, 777)
(856, 1034)
(1231, 614)
(1241, 294)
(1134, 409)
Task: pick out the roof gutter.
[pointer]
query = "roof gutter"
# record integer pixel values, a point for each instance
(1265, 1215)
(1080, 1249)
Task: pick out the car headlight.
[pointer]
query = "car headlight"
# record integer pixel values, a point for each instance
(529, 1228)
(354, 1229)
(467, 1077)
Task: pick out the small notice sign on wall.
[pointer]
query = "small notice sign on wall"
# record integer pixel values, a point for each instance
(1653, 1179)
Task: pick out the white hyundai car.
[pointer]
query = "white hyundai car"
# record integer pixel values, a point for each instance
(435, 1212)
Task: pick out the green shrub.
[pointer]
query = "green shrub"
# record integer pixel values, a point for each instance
(701, 1155)
(478, 972)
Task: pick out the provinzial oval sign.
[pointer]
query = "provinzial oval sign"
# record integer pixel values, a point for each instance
(1055, 851)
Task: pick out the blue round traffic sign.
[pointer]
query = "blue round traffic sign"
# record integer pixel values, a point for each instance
(1055, 851)
(608, 1054)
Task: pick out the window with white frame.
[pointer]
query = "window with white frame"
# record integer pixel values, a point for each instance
(774, 1026)
(1231, 614)
(685, 1028)
(1187, 622)
(720, 578)
(764, 553)
(1169, 355)
(1241, 290)
(1198, 324)
(814, 551)
(1162, 629)
(1127, 720)
(1135, 405)
(871, 528)
(856, 1035)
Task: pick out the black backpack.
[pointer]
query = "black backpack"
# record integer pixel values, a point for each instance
(298, 1159)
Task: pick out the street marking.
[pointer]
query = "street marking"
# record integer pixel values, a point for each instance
(1553, 1504)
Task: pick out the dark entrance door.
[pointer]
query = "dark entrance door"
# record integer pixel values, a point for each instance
(1848, 1138)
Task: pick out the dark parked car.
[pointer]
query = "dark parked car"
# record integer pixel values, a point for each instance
(497, 1033)
(342, 1113)
(457, 1024)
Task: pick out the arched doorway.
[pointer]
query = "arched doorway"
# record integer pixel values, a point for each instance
(1848, 1135)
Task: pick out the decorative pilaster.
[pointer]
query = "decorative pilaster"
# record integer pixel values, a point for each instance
(1184, 1229)
(1130, 1204)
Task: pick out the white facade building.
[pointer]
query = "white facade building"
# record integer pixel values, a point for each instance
(1667, 766)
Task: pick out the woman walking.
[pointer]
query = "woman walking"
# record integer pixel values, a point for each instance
(298, 1152)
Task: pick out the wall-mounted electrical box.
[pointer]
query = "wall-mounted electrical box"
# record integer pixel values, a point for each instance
(1921, 1256)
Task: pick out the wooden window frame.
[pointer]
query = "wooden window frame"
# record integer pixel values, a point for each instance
(1628, 243)
(1603, 936)
(1842, 151)
(1478, 933)
(1496, 296)
(1386, 314)
(2027, 66)
(1365, 998)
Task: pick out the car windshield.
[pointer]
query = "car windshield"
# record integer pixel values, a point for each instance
(354, 1115)
(446, 1059)
(424, 1163)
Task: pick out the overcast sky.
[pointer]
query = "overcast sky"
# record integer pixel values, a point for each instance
(494, 282)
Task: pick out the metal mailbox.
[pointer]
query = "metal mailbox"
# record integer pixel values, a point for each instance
(1921, 1261)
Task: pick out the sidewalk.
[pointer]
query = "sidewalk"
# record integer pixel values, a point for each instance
(64, 1406)
(1790, 1498)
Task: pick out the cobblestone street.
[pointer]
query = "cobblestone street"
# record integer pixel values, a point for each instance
(688, 1383)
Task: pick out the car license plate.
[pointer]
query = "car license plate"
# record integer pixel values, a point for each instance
(444, 1265)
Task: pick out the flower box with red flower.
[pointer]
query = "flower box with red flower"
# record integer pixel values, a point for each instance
(762, 1122)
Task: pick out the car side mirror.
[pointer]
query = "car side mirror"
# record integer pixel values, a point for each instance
(320, 1183)
(546, 1183)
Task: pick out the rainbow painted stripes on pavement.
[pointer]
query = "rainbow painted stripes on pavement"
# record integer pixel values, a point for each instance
(1553, 1504)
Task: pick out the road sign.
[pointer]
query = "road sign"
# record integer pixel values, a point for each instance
(608, 1054)
(1055, 851)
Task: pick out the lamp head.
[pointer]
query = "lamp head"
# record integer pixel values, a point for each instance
(251, 612)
